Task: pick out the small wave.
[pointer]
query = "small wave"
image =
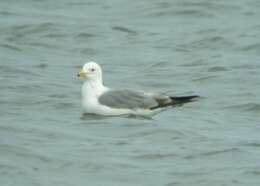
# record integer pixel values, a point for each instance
(207, 31)
(251, 107)
(70, 4)
(208, 5)
(56, 35)
(23, 152)
(213, 153)
(172, 134)
(22, 32)
(217, 69)
(64, 105)
(88, 51)
(158, 65)
(254, 172)
(15, 70)
(183, 12)
(195, 63)
(205, 78)
(124, 29)
(33, 28)
(5, 13)
(210, 42)
(154, 156)
(41, 66)
(43, 45)
(252, 144)
(85, 35)
(250, 13)
(193, 12)
(246, 66)
(251, 48)
(10, 46)
(58, 96)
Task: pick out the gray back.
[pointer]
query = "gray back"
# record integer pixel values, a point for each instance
(127, 99)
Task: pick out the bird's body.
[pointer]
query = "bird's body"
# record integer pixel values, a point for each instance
(90, 102)
(101, 100)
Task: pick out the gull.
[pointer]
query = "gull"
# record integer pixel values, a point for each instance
(101, 100)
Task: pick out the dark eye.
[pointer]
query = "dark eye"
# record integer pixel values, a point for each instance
(92, 70)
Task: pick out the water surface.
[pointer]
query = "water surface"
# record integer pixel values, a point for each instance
(176, 47)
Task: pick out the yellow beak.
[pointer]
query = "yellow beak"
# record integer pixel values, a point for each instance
(82, 74)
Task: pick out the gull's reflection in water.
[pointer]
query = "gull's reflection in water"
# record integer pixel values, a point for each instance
(87, 116)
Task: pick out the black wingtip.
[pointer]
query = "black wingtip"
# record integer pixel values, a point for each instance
(184, 99)
(176, 101)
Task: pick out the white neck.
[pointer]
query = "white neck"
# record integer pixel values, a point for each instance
(92, 88)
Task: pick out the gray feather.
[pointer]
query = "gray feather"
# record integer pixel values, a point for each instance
(127, 99)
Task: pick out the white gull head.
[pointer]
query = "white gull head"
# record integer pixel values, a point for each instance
(91, 71)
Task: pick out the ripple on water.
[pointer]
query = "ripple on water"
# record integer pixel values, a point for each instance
(154, 156)
(16, 70)
(41, 66)
(58, 96)
(14, 150)
(205, 78)
(252, 144)
(217, 69)
(28, 34)
(11, 46)
(56, 35)
(157, 65)
(29, 29)
(85, 35)
(194, 63)
(64, 105)
(158, 135)
(125, 30)
(250, 107)
(255, 48)
(212, 42)
(183, 9)
(88, 51)
(193, 12)
(212, 153)
(254, 172)
(5, 13)
(246, 66)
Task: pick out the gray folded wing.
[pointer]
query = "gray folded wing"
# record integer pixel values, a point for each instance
(129, 99)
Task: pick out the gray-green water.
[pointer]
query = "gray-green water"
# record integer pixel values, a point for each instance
(210, 48)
